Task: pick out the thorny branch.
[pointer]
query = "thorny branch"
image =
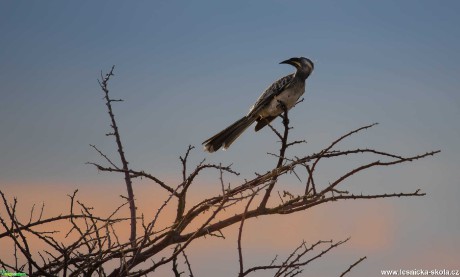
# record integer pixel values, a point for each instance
(353, 265)
(103, 83)
(93, 244)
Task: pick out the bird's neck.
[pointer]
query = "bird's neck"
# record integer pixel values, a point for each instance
(301, 74)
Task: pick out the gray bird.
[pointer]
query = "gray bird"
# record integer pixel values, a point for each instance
(283, 93)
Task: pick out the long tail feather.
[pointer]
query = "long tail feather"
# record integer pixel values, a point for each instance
(226, 137)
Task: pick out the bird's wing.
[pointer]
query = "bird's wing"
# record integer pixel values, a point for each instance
(272, 91)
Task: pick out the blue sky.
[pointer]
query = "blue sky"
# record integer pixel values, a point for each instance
(188, 69)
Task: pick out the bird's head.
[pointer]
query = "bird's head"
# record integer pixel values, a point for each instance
(303, 65)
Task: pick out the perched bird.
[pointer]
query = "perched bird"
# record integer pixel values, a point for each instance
(282, 94)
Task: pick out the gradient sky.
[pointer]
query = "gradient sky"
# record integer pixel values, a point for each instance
(187, 69)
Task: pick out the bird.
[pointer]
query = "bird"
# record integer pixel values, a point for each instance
(282, 95)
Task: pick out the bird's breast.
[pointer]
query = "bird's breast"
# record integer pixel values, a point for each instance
(289, 97)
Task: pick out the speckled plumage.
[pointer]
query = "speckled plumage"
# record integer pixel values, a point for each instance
(287, 90)
(275, 89)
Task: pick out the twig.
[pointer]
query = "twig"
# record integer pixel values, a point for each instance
(353, 265)
(188, 264)
(240, 233)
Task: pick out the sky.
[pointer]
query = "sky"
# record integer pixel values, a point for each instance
(186, 70)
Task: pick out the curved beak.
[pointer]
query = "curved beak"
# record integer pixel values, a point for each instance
(292, 61)
(287, 62)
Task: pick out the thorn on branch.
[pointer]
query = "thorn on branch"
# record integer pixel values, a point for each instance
(116, 100)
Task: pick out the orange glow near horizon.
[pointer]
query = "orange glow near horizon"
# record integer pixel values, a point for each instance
(369, 232)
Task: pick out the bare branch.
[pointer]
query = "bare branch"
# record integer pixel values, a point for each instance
(293, 261)
(184, 162)
(283, 147)
(132, 206)
(104, 156)
(189, 267)
(240, 233)
(353, 265)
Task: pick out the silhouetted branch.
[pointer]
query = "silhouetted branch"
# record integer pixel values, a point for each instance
(240, 233)
(104, 156)
(293, 262)
(189, 266)
(283, 147)
(353, 265)
(129, 186)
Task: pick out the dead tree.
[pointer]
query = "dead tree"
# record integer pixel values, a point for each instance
(93, 248)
